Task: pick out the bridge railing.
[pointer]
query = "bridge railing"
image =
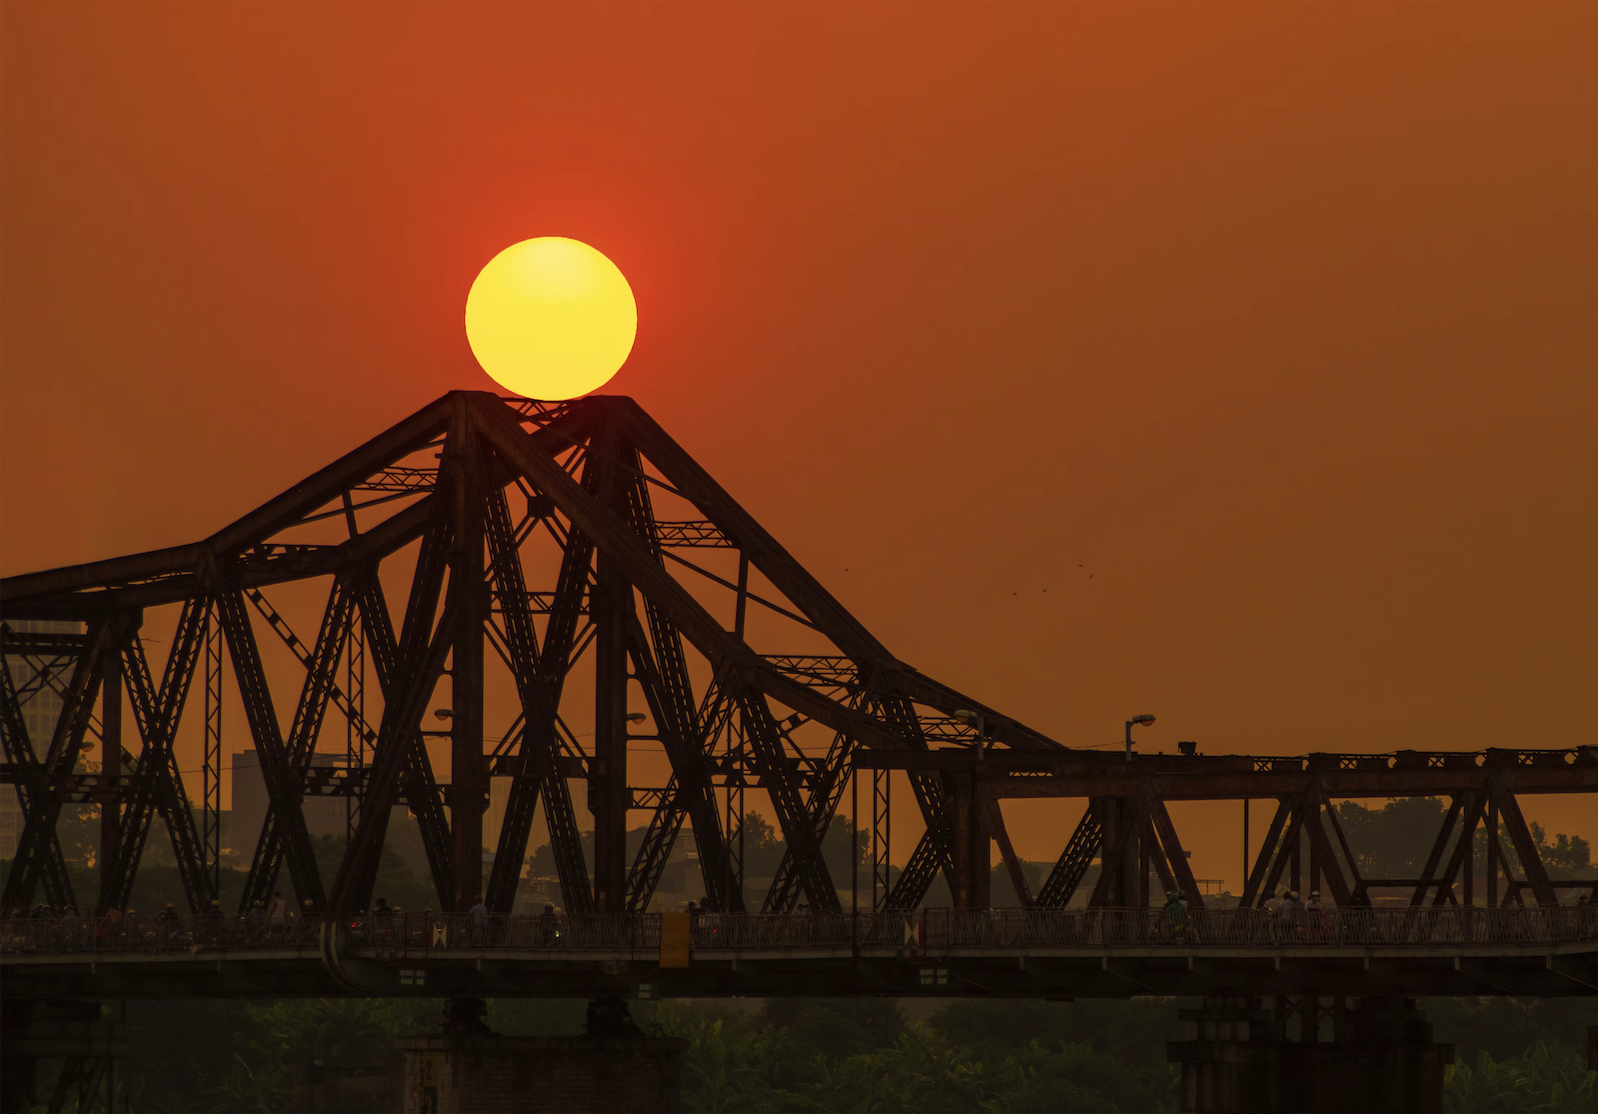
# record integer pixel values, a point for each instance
(922, 931)
(1012, 929)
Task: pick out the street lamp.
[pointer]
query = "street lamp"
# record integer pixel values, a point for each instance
(1140, 721)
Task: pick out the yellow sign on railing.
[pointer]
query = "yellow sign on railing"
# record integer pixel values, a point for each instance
(674, 941)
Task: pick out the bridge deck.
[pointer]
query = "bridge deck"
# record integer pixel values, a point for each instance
(1100, 953)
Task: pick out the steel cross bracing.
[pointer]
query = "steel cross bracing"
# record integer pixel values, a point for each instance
(39, 856)
(1127, 833)
(558, 536)
(729, 716)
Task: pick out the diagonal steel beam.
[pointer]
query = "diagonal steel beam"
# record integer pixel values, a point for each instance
(39, 849)
(780, 781)
(390, 756)
(1531, 861)
(662, 672)
(1267, 853)
(157, 782)
(1012, 864)
(826, 791)
(796, 583)
(1435, 857)
(540, 675)
(615, 536)
(32, 791)
(935, 851)
(1061, 884)
(655, 851)
(1165, 828)
(1331, 870)
(1288, 847)
(316, 490)
(1356, 885)
(1471, 806)
(420, 785)
(309, 713)
(282, 783)
(1158, 858)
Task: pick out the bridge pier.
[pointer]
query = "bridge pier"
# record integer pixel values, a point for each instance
(611, 1067)
(1267, 1056)
(32, 1030)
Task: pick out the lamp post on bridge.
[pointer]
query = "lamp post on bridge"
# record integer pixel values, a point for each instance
(1140, 721)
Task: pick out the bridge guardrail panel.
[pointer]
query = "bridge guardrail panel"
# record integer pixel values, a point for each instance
(413, 936)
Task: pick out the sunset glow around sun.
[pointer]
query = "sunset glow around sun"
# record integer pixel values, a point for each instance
(551, 318)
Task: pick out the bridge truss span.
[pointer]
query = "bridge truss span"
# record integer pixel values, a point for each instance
(570, 554)
(541, 592)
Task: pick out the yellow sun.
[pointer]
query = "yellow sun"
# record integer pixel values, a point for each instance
(551, 318)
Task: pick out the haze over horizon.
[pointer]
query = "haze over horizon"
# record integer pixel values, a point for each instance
(1235, 366)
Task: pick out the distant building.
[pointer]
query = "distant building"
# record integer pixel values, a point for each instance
(323, 815)
(40, 710)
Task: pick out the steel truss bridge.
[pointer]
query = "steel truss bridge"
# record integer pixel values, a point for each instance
(572, 547)
(575, 554)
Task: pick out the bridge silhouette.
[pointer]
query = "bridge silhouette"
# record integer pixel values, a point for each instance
(581, 554)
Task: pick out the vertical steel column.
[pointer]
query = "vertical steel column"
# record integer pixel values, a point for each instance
(1143, 865)
(468, 783)
(608, 796)
(110, 763)
(1245, 842)
(881, 836)
(854, 853)
(1109, 810)
(733, 825)
(958, 790)
(1492, 853)
(972, 871)
(355, 721)
(1468, 867)
(211, 788)
(1315, 846)
(981, 853)
(1296, 851)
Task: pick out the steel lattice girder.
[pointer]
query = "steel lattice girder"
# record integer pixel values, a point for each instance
(866, 698)
(587, 469)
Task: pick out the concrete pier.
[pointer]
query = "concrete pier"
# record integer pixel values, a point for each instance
(1310, 1055)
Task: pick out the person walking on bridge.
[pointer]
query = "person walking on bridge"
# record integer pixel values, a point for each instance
(277, 917)
(477, 916)
(1176, 916)
(166, 924)
(548, 927)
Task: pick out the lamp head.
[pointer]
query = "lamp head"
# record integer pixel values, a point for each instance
(1142, 721)
(964, 715)
(444, 713)
(636, 717)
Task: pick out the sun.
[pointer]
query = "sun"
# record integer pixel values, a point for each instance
(551, 318)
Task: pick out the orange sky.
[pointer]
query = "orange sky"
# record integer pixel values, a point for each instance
(1277, 319)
